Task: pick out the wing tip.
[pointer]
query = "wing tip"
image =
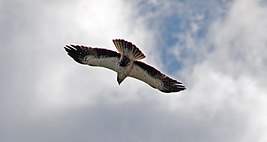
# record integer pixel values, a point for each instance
(74, 52)
(171, 85)
(173, 89)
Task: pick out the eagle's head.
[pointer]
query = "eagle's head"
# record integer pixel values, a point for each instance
(120, 77)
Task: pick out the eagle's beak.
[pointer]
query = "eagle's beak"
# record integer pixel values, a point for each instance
(118, 80)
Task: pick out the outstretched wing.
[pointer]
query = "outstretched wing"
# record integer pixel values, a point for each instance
(94, 56)
(155, 78)
(128, 49)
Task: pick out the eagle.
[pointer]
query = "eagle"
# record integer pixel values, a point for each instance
(125, 62)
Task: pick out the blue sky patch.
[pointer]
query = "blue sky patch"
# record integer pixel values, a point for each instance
(176, 21)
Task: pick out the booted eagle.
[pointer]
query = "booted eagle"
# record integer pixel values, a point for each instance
(125, 63)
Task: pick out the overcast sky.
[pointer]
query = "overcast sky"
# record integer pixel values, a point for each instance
(217, 49)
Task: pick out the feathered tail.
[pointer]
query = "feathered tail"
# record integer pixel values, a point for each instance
(129, 49)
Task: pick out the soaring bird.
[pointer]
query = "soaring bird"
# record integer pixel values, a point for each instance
(125, 63)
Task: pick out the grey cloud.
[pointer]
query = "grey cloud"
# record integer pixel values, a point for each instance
(46, 96)
(141, 120)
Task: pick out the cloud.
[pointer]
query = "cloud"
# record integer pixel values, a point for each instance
(38, 32)
(221, 50)
(38, 79)
(229, 70)
(46, 96)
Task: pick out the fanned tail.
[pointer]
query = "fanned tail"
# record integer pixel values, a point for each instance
(129, 49)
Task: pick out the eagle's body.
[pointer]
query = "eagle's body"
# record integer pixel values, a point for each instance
(125, 63)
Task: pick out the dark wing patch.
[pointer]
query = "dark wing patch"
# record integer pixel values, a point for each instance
(169, 85)
(78, 53)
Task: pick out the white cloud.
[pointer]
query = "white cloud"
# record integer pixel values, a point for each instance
(83, 22)
(46, 96)
(38, 64)
(232, 74)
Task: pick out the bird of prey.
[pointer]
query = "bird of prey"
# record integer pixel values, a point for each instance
(125, 63)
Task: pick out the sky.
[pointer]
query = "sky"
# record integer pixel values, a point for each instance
(216, 48)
